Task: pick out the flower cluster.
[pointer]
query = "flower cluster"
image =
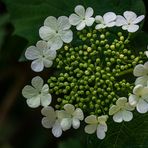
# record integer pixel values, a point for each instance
(89, 84)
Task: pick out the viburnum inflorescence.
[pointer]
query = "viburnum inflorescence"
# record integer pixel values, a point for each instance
(92, 67)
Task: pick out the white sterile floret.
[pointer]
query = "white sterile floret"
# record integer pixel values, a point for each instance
(129, 21)
(96, 124)
(141, 71)
(82, 17)
(139, 98)
(42, 56)
(121, 111)
(56, 31)
(108, 20)
(51, 120)
(37, 94)
(71, 117)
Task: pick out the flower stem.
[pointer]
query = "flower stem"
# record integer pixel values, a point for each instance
(126, 72)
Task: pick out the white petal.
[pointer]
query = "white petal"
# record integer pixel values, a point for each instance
(92, 119)
(47, 63)
(63, 23)
(146, 67)
(46, 100)
(101, 129)
(111, 24)
(49, 111)
(102, 119)
(133, 28)
(79, 10)
(74, 19)
(69, 108)
(100, 26)
(66, 36)
(47, 123)
(90, 129)
(66, 124)
(146, 53)
(121, 101)
(32, 53)
(61, 114)
(118, 117)
(42, 45)
(55, 43)
(109, 17)
(81, 26)
(46, 33)
(138, 19)
(139, 70)
(51, 22)
(113, 109)
(142, 80)
(57, 130)
(29, 92)
(138, 89)
(130, 16)
(127, 115)
(45, 89)
(78, 114)
(89, 12)
(99, 19)
(49, 54)
(37, 65)
(34, 102)
(120, 20)
(142, 106)
(133, 100)
(125, 27)
(75, 123)
(90, 21)
(37, 82)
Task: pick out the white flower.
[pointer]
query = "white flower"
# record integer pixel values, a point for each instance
(82, 17)
(146, 52)
(129, 21)
(37, 94)
(51, 120)
(108, 20)
(71, 117)
(56, 31)
(41, 55)
(121, 111)
(139, 98)
(96, 124)
(141, 71)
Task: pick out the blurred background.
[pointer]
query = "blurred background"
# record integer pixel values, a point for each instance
(20, 126)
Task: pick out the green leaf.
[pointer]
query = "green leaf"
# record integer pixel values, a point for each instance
(28, 15)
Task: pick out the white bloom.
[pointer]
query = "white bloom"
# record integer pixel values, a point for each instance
(96, 124)
(41, 55)
(51, 120)
(121, 111)
(71, 117)
(141, 71)
(82, 17)
(56, 31)
(139, 98)
(129, 21)
(108, 20)
(37, 94)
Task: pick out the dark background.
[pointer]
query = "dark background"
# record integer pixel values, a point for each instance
(20, 126)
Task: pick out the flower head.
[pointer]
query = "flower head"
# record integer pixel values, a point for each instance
(56, 31)
(82, 17)
(108, 20)
(139, 98)
(121, 111)
(141, 71)
(37, 94)
(41, 55)
(97, 124)
(129, 21)
(72, 117)
(51, 120)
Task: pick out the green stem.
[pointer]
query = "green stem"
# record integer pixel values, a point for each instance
(126, 72)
